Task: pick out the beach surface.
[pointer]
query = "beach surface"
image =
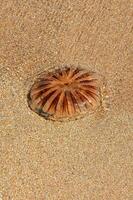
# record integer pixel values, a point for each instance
(86, 159)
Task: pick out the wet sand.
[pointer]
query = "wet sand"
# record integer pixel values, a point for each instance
(86, 159)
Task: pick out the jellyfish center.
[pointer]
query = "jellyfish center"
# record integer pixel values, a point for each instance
(68, 85)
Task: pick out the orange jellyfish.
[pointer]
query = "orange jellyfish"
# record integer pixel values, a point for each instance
(66, 92)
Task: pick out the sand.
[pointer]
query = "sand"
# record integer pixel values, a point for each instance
(87, 159)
